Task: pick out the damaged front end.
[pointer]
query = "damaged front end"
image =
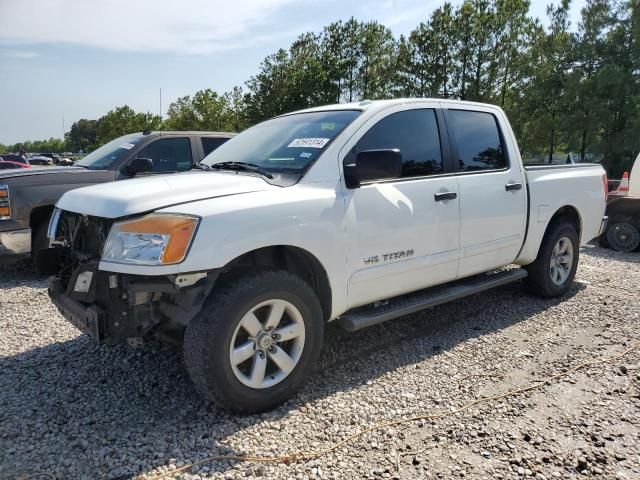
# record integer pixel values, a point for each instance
(115, 307)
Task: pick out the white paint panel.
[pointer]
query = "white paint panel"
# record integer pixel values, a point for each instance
(580, 188)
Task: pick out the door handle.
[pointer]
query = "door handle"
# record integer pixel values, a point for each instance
(438, 197)
(509, 187)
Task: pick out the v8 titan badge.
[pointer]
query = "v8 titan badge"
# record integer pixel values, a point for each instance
(387, 257)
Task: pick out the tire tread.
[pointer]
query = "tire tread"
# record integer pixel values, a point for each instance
(539, 282)
(200, 331)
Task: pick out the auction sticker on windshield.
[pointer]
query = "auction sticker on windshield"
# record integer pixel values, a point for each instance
(127, 146)
(308, 143)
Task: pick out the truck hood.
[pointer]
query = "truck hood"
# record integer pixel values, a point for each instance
(129, 197)
(26, 172)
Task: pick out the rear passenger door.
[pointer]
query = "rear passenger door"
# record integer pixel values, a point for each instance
(493, 201)
(403, 234)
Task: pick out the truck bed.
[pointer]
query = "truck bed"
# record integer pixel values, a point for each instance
(551, 187)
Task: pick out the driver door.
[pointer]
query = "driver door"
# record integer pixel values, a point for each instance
(404, 233)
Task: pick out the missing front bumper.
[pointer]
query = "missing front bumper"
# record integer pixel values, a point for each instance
(88, 319)
(113, 308)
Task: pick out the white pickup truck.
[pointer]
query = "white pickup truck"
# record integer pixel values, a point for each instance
(358, 213)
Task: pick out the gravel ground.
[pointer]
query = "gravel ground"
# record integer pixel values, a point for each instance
(75, 409)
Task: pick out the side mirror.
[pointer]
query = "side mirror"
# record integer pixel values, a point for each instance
(139, 165)
(373, 165)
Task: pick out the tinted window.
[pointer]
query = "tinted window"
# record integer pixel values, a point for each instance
(415, 134)
(478, 140)
(169, 154)
(209, 144)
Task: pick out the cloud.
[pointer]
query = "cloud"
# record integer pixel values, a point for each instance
(185, 26)
(20, 54)
(401, 16)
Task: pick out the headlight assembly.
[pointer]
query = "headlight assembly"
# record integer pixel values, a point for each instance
(155, 239)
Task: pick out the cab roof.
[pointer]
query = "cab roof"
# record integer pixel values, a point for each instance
(187, 132)
(365, 105)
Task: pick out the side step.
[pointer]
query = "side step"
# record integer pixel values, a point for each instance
(368, 315)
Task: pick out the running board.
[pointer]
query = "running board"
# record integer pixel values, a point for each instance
(363, 317)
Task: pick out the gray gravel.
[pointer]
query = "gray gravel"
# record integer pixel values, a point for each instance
(75, 409)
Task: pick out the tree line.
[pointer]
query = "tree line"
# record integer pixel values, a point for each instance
(565, 88)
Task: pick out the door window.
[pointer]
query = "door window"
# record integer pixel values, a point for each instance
(415, 134)
(209, 144)
(169, 154)
(478, 140)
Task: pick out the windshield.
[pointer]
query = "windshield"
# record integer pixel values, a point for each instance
(285, 144)
(107, 155)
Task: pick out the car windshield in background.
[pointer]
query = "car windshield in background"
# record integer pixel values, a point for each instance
(107, 155)
(286, 144)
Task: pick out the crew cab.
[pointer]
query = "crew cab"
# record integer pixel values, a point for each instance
(28, 197)
(356, 213)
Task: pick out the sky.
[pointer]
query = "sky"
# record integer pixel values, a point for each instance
(62, 60)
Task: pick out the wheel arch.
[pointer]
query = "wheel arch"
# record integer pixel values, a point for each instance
(290, 258)
(39, 214)
(536, 233)
(38, 217)
(566, 213)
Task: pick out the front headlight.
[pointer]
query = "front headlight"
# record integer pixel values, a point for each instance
(155, 239)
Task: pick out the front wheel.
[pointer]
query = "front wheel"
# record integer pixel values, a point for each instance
(255, 343)
(553, 271)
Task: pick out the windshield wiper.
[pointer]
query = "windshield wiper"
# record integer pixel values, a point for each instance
(251, 167)
(201, 166)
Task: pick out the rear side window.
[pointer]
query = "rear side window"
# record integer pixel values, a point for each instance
(477, 139)
(209, 144)
(169, 154)
(415, 134)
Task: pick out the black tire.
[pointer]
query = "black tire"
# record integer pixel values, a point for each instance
(208, 337)
(540, 281)
(623, 236)
(39, 241)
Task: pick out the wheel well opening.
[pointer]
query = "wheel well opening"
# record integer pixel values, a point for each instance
(38, 216)
(283, 257)
(568, 214)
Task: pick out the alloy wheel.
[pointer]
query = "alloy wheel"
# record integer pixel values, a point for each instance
(561, 261)
(267, 343)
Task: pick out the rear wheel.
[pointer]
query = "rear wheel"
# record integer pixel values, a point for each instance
(553, 271)
(623, 236)
(255, 343)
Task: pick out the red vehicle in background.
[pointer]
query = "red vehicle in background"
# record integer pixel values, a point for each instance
(6, 164)
(13, 157)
